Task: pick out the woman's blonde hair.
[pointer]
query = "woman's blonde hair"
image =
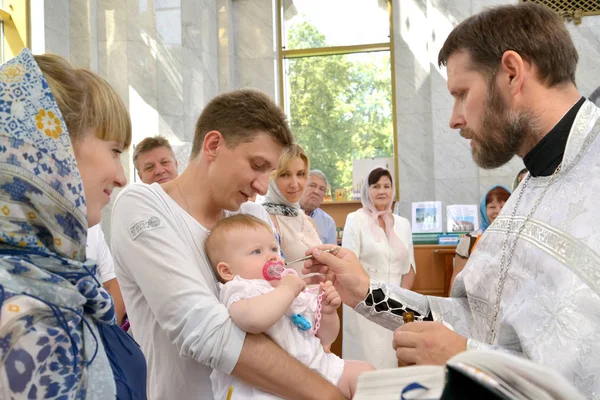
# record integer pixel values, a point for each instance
(86, 101)
(290, 153)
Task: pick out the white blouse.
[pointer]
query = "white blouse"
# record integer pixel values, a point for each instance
(364, 340)
(381, 262)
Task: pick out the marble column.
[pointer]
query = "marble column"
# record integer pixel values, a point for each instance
(200, 59)
(456, 176)
(56, 19)
(254, 50)
(413, 104)
(80, 34)
(587, 41)
(226, 46)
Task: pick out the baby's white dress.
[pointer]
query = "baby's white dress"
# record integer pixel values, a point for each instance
(302, 345)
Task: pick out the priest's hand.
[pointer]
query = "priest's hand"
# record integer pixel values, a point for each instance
(342, 268)
(427, 343)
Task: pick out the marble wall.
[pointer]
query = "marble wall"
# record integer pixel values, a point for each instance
(161, 56)
(434, 162)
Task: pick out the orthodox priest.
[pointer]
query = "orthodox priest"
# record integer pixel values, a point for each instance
(532, 285)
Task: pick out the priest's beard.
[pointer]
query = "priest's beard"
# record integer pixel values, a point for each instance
(502, 133)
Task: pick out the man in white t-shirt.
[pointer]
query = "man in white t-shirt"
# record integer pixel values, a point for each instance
(158, 234)
(97, 249)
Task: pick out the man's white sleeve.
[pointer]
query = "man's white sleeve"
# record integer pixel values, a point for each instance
(98, 248)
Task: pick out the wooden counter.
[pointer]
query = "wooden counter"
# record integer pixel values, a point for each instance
(434, 269)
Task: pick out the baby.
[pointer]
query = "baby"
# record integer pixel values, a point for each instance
(238, 248)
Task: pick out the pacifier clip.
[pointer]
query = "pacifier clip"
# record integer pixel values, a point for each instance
(274, 270)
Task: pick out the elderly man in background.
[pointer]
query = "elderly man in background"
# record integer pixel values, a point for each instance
(311, 201)
(154, 160)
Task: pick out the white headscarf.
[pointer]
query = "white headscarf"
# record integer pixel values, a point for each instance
(276, 203)
(388, 219)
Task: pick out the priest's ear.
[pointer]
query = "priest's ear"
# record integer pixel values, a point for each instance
(513, 71)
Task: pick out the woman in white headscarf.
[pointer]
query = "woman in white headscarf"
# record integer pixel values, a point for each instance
(383, 243)
(297, 231)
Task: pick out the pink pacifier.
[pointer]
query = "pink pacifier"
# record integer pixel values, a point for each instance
(273, 270)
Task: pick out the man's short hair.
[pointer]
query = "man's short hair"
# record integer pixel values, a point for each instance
(239, 116)
(148, 144)
(535, 32)
(319, 174)
(216, 240)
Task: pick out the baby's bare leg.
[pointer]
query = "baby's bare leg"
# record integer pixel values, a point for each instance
(352, 370)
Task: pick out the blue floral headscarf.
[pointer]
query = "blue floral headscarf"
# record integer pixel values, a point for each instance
(50, 297)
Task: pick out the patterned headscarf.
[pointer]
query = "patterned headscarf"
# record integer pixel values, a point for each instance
(368, 207)
(51, 300)
(275, 202)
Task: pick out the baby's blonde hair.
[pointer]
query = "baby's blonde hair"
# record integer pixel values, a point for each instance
(215, 244)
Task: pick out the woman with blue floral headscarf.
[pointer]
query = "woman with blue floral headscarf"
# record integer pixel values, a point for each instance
(489, 208)
(62, 131)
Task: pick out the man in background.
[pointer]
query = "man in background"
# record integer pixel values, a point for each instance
(155, 160)
(310, 202)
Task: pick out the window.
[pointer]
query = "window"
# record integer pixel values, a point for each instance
(336, 76)
(14, 28)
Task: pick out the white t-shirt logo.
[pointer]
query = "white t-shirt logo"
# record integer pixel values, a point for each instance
(146, 224)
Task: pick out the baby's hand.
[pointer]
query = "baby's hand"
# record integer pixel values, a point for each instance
(331, 298)
(294, 283)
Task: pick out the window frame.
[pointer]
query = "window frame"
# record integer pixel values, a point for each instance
(15, 18)
(284, 54)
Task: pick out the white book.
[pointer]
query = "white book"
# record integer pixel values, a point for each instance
(388, 384)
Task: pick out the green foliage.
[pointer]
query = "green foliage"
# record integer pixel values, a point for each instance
(340, 106)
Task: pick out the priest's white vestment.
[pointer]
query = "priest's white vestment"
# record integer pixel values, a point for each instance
(549, 309)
